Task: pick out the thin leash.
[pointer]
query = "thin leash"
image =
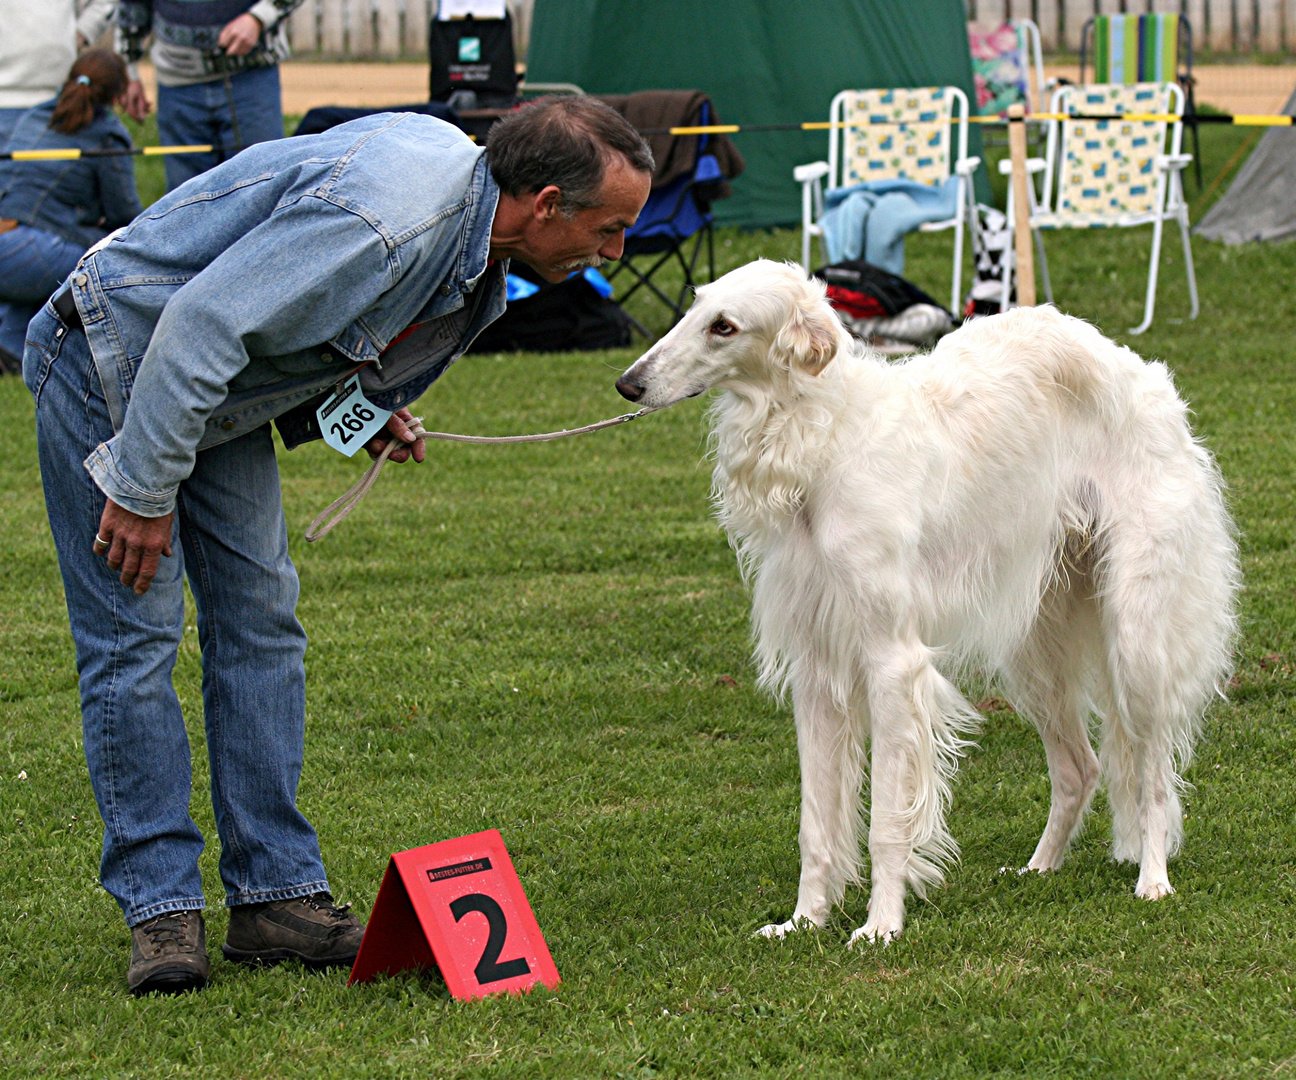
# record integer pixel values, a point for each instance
(234, 123)
(337, 510)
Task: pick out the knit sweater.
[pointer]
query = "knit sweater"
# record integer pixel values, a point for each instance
(185, 35)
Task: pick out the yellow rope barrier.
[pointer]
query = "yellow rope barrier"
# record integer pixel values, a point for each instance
(153, 151)
(1240, 120)
(75, 154)
(828, 125)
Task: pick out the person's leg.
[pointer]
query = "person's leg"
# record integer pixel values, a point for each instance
(250, 110)
(186, 117)
(254, 680)
(136, 745)
(33, 263)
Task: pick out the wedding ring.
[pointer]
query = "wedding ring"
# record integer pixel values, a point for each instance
(100, 540)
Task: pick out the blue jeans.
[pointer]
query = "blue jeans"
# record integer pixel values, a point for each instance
(231, 541)
(33, 263)
(202, 114)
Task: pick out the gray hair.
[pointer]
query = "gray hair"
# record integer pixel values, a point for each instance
(566, 142)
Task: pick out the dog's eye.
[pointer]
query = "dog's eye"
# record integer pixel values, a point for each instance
(723, 328)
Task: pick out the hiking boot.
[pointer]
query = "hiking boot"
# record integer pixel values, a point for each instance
(168, 954)
(311, 929)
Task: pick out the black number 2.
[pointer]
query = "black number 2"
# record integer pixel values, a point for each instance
(488, 969)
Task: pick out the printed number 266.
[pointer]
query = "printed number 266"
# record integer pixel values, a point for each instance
(353, 420)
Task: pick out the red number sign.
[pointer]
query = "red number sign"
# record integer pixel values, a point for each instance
(460, 906)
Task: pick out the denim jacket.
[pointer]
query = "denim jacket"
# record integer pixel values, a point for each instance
(255, 286)
(77, 200)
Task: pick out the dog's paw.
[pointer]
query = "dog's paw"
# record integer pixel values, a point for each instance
(875, 934)
(1153, 890)
(782, 929)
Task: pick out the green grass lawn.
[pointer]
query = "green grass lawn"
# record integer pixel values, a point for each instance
(535, 639)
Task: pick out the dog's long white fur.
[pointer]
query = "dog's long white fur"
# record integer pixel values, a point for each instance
(1027, 499)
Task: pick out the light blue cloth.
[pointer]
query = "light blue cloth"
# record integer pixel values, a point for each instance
(872, 218)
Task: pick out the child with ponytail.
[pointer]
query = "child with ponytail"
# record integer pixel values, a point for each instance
(52, 211)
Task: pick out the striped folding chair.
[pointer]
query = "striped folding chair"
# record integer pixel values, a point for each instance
(1149, 48)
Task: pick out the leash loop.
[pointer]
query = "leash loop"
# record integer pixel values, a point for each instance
(337, 511)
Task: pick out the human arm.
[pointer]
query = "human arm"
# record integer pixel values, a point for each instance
(95, 17)
(133, 545)
(270, 13)
(297, 279)
(398, 427)
(241, 34)
(134, 24)
(136, 544)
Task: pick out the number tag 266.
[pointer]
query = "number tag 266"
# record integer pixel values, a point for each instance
(348, 419)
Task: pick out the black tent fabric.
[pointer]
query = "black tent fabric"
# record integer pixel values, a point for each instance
(1261, 203)
(761, 62)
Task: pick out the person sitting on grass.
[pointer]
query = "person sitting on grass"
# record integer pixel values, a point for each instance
(51, 211)
(244, 295)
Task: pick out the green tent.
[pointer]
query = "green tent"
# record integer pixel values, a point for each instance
(762, 62)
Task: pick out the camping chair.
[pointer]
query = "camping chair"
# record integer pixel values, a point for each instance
(674, 215)
(1115, 173)
(1004, 59)
(1148, 48)
(889, 134)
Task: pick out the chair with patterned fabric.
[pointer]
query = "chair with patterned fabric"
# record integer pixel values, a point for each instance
(918, 135)
(1153, 47)
(1117, 173)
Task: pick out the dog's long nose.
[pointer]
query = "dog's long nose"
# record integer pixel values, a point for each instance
(629, 389)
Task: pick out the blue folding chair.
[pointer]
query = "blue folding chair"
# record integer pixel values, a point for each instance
(672, 216)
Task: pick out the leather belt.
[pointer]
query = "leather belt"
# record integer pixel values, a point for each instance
(67, 310)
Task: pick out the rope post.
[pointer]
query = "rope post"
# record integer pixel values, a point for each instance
(1021, 207)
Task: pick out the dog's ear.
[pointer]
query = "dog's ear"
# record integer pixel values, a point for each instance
(809, 339)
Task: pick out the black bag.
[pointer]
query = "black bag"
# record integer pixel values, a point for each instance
(323, 117)
(473, 54)
(569, 316)
(877, 293)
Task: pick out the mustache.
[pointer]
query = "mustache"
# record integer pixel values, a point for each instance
(589, 261)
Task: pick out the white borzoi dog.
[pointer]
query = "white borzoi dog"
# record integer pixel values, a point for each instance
(1027, 499)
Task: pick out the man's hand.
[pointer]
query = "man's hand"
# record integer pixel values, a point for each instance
(133, 544)
(240, 35)
(135, 101)
(398, 425)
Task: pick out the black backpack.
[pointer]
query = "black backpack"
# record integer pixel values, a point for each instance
(571, 315)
